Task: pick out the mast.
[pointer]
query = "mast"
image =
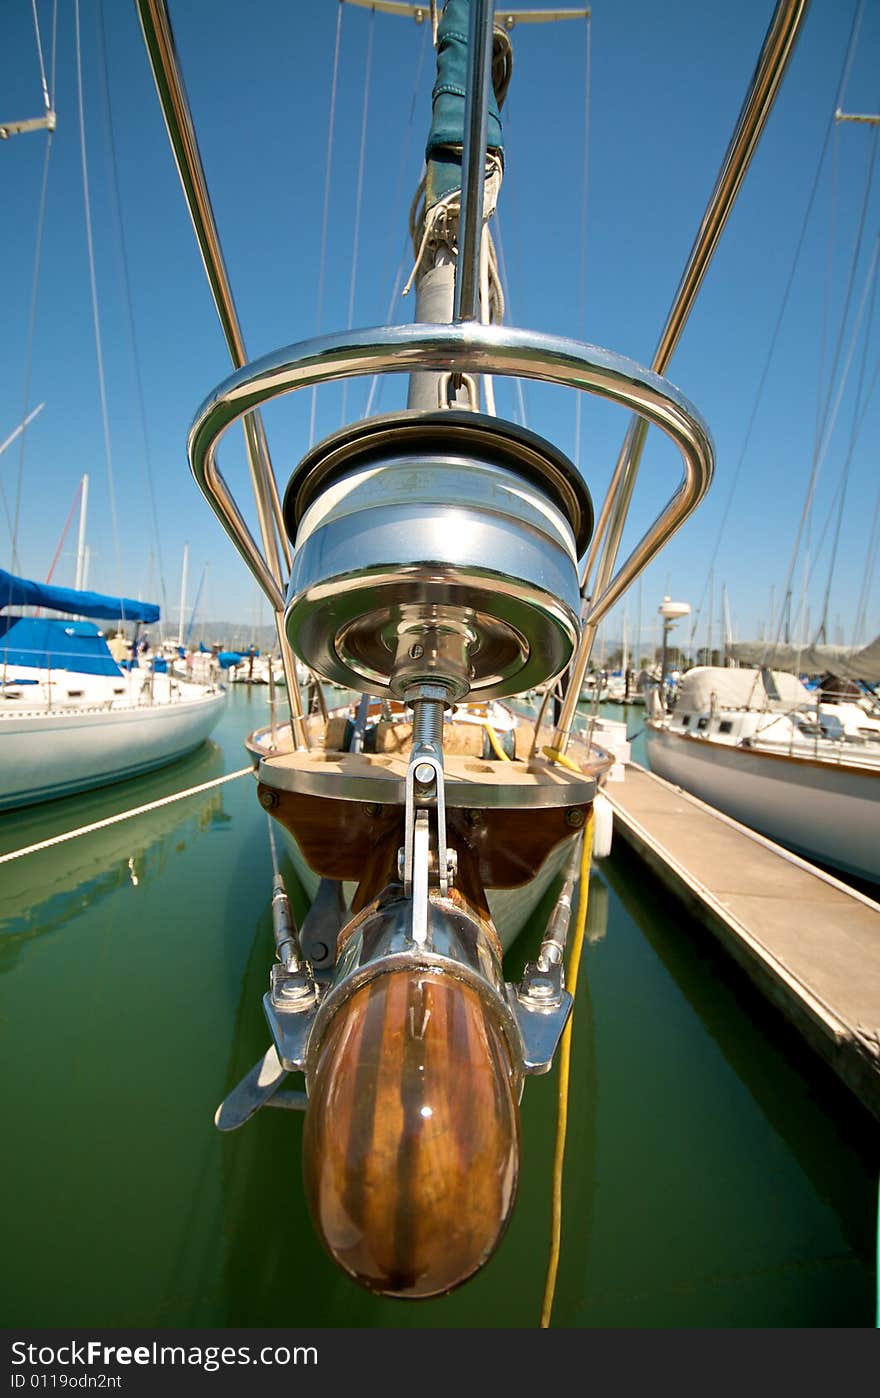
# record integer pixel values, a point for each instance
(725, 615)
(81, 538)
(183, 593)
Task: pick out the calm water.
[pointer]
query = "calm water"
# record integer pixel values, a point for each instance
(716, 1173)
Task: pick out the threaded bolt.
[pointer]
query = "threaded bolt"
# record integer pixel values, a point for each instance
(428, 721)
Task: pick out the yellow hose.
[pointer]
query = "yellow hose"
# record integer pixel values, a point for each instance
(496, 746)
(556, 756)
(571, 977)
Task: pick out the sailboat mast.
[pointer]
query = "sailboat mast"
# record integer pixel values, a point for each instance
(183, 593)
(448, 284)
(79, 584)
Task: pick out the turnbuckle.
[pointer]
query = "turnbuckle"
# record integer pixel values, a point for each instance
(425, 791)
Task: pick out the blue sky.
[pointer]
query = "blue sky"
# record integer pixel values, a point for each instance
(666, 86)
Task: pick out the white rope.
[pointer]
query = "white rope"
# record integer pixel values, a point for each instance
(95, 316)
(359, 195)
(325, 220)
(123, 815)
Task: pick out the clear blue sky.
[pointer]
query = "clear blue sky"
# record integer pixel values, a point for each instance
(667, 85)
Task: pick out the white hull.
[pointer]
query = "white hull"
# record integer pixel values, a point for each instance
(48, 754)
(826, 811)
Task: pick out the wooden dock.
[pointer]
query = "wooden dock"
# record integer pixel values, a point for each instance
(809, 942)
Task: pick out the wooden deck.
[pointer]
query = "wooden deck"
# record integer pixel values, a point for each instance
(809, 942)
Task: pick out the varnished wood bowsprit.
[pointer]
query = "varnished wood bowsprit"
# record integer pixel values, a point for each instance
(411, 1146)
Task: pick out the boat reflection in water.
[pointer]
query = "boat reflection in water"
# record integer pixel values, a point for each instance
(43, 891)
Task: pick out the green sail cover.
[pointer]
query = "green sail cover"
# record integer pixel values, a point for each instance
(443, 151)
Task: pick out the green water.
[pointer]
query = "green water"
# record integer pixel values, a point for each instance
(716, 1172)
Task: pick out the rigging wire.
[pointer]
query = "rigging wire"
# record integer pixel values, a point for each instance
(864, 591)
(582, 280)
(54, 49)
(835, 499)
(377, 380)
(806, 524)
(829, 416)
(47, 101)
(67, 524)
(128, 305)
(94, 294)
(29, 352)
(517, 382)
(774, 340)
(858, 418)
(359, 195)
(322, 262)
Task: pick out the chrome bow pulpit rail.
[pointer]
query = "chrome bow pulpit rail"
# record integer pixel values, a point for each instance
(485, 349)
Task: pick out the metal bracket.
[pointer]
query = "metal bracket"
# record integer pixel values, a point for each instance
(424, 776)
(261, 1087)
(321, 927)
(541, 1007)
(448, 385)
(290, 1007)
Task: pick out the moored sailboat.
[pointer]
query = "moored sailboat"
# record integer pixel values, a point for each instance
(71, 717)
(759, 746)
(430, 561)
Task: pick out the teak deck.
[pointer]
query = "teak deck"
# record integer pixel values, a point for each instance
(809, 942)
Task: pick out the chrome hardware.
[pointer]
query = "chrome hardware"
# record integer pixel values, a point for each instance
(541, 1007)
(261, 1087)
(482, 349)
(290, 1007)
(425, 782)
(435, 546)
(448, 385)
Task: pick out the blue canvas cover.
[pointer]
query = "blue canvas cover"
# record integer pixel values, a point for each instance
(20, 592)
(443, 152)
(52, 644)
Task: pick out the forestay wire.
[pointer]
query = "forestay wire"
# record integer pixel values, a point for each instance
(774, 340)
(322, 263)
(94, 293)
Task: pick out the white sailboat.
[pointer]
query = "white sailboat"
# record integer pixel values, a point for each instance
(438, 561)
(71, 717)
(759, 746)
(76, 714)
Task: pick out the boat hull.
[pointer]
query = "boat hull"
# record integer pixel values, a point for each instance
(48, 755)
(825, 811)
(511, 908)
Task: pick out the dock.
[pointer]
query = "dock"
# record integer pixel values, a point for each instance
(809, 942)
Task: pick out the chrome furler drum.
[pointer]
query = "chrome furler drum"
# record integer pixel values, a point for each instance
(439, 545)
